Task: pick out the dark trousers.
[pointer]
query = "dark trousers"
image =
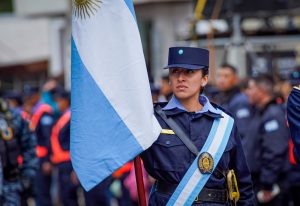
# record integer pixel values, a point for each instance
(99, 195)
(42, 189)
(67, 190)
(295, 195)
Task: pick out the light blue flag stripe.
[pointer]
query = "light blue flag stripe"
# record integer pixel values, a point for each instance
(129, 3)
(87, 89)
(194, 165)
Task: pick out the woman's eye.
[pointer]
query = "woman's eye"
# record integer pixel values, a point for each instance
(189, 71)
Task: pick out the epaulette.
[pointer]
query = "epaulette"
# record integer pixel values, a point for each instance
(221, 108)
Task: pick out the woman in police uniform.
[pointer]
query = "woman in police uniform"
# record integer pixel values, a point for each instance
(185, 176)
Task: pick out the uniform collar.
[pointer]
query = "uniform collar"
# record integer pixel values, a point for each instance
(207, 107)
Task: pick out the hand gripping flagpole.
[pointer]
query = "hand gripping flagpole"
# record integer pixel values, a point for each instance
(140, 181)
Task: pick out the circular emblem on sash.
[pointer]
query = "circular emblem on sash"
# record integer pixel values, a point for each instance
(205, 163)
(7, 134)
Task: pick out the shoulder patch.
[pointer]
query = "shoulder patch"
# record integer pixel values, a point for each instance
(243, 113)
(271, 126)
(3, 124)
(46, 120)
(222, 109)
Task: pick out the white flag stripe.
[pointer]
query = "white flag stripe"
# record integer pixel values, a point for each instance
(102, 41)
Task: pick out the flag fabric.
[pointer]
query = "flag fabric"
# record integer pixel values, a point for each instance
(112, 117)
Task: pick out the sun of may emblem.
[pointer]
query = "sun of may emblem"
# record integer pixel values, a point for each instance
(85, 8)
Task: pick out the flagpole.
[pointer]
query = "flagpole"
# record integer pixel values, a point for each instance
(139, 181)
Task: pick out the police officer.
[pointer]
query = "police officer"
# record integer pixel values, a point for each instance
(60, 144)
(1, 180)
(190, 123)
(41, 122)
(231, 98)
(293, 111)
(17, 151)
(266, 145)
(294, 173)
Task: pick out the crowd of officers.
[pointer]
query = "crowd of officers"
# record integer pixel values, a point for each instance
(35, 142)
(35, 149)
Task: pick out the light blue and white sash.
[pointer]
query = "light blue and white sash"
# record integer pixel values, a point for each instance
(193, 181)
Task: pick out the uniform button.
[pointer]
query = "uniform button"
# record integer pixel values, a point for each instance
(168, 142)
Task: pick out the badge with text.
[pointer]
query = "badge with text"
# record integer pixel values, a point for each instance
(205, 163)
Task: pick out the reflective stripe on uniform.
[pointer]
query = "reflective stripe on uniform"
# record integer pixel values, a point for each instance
(124, 169)
(58, 154)
(44, 108)
(41, 151)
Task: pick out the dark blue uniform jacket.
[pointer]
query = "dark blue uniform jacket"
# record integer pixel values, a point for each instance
(43, 131)
(293, 114)
(238, 105)
(266, 145)
(168, 158)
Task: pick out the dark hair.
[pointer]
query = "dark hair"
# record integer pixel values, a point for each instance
(165, 77)
(229, 66)
(264, 81)
(205, 71)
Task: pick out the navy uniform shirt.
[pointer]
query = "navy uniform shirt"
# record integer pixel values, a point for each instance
(293, 114)
(266, 145)
(168, 159)
(238, 105)
(1, 179)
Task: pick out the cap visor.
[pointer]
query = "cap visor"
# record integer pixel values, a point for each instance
(184, 66)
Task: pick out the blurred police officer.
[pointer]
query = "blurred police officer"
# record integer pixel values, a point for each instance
(190, 124)
(293, 111)
(165, 92)
(16, 142)
(14, 100)
(266, 145)
(1, 180)
(41, 122)
(231, 98)
(293, 114)
(154, 92)
(60, 144)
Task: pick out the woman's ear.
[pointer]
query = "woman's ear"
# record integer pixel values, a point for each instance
(204, 81)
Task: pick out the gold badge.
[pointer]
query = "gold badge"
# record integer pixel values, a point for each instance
(205, 163)
(7, 134)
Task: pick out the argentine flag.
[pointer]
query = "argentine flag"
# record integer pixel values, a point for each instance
(112, 114)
